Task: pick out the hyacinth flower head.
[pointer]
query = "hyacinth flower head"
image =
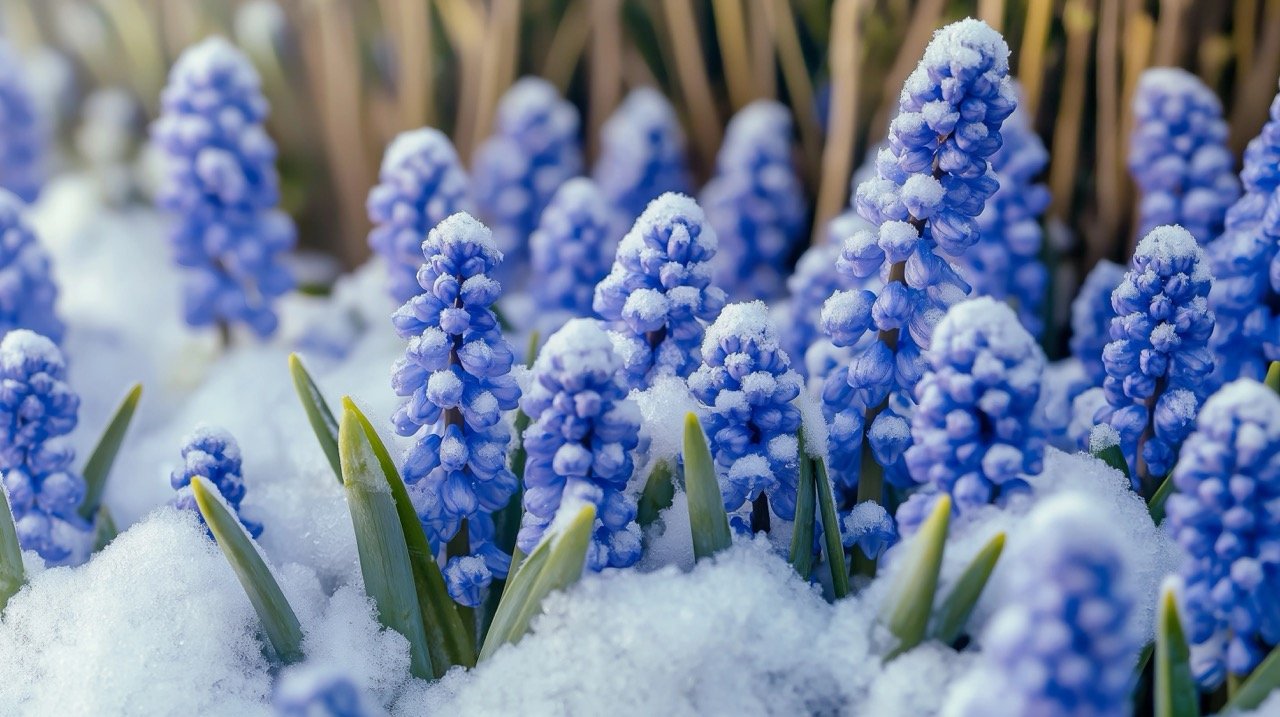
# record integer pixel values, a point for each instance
(421, 182)
(1158, 361)
(22, 136)
(756, 201)
(222, 189)
(572, 248)
(37, 409)
(1091, 315)
(580, 443)
(456, 380)
(1225, 513)
(658, 296)
(1178, 154)
(533, 150)
(27, 289)
(642, 153)
(316, 691)
(746, 386)
(212, 453)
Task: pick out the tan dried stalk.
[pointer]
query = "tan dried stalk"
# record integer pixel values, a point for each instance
(842, 121)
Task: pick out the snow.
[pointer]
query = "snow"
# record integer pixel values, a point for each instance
(663, 407)
(462, 229)
(21, 346)
(748, 321)
(1102, 437)
(662, 212)
(814, 423)
(1172, 243)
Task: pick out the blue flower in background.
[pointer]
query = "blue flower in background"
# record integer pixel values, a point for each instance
(755, 202)
(1178, 154)
(658, 295)
(212, 453)
(456, 380)
(1091, 315)
(222, 189)
(1225, 514)
(316, 691)
(22, 135)
(27, 291)
(38, 408)
(572, 249)
(421, 182)
(581, 443)
(642, 153)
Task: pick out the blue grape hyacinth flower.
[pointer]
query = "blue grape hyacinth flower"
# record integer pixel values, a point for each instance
(212, 453)
(1225, 513)
(222, 189)
(1091, 315)
(456, 380)
(814, 280)
(22, 135)
(37, 409)
(659, 296)
(421, 182)
(319, 691)
(755, 201)
(642, 153)
(1178, 154)
(27, 290)
(581, 443)
(572, 250)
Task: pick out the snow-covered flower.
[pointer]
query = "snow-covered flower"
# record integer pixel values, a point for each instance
(658, 295)
(1091, 315)
(572, 249)
(318, 691)
(222, 189)
(456, 380)
(746, 387)
(1158, 361)
(212, 453)
(580, 443)
(973, 434)
(1225, 514)
(642, 153)
(533, 150)
(421, 182)
(22, 135)
(755, 201)
(1178, 154)
(38, 408)
(27, 290)
(869, 527)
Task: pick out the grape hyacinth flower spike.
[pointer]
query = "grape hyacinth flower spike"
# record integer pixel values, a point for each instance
(1225, 513)
(642, 153)
(212, 453)
(456, 380)
(421, 182)
(572, 250)
(581, 443)
(1091, 315)
(658, 296)
(22, 136)
(27, 291)
(222, 189)
(37, 409)
(318, 691)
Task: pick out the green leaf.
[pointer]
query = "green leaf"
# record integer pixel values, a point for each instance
(1112, 456)
(447, 637)
(554, 565)
(1175, 687)
(1273, 376)
(911, 601)
(658, 495)
(12, 574)
(802, 535)
(1264, 680)
(1155, 506)
(277, 617)
(831, 530)
(104, 529)
(98, 467)
(384, 556)
(954, 612)
(319, 416)
(707, 518)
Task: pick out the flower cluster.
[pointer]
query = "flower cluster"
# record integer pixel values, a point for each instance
(746, 386)
(658, 295)
(755, 202)
(1178, 154)
(38, 408)
(1091, 315)
(22, 135)
(421, 182)
(572, 248)
(222, 189)
(456, 380)
(212, 453)
(27, 290)
(642, 153)
(1158, 361)
(1226, 515)
(581, 442)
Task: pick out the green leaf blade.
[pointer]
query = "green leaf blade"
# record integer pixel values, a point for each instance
(103, 456)
(1175, 686)
(707, 517)
(1155, 506)
(831, 530)
(1273, 376)
(1264, 680)
(907, 615)
(12, 574)
(955, 610)
(323, 424)
(802, 535)
(658, 495)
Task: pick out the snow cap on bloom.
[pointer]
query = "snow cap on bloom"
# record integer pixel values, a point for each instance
(38, 408)
(421, 182)
(573, 247)
(456, 380)
(1158, 355)
(27, 290)
(658, 296)
(756, 201)
(1091, 315)
(212, 453)
(1178, 154)
(1225, 514)
(642, 153)
(974, 432)
(869, 527)
(580, 443)
(222, 189)
(319, 691)
(22, 136)
(747, 388)
(533, 150)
